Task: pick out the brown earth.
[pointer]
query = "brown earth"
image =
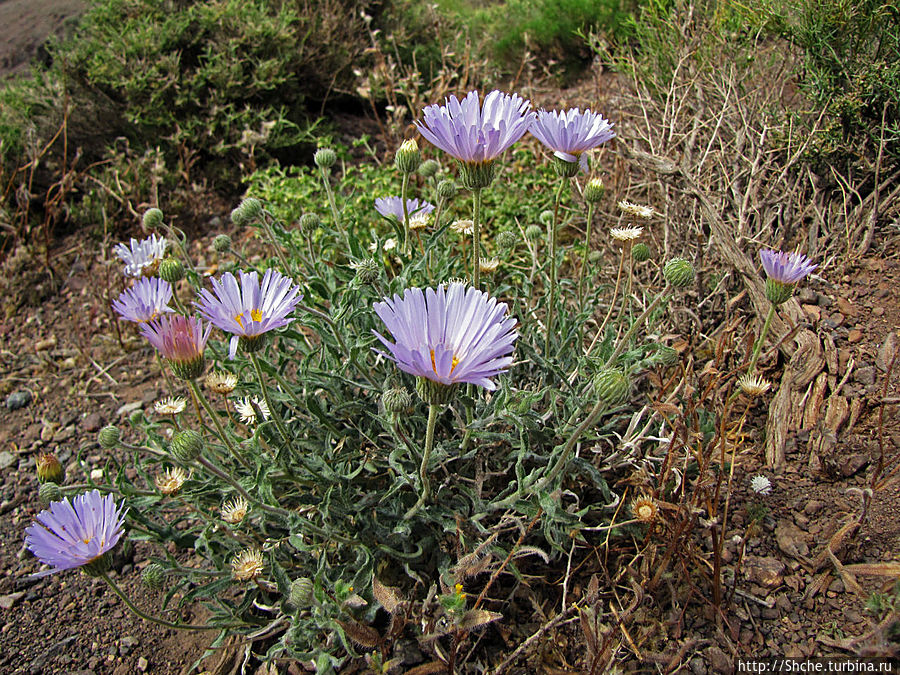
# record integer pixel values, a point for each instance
(25, 26)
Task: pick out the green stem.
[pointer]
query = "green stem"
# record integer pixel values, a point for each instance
(404, 190)
(426, 456)
(216, 422)
(587, 248)
(623, 343)
(155, 619)
(626, 295)
(216, 471)
(276, 415)
(476, 239)
(563, 459)
(333, 205)
(270, 233)
(762, 338)
(551, 235)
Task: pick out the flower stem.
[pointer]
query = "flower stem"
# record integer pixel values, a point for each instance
(623, 343)
(612, 305)
(762, 338)
(276, 415)
(195, 389)
(587, 248)
(563, 459)
(148, 617)
(333, 205)
(404, 190)
(270, 233)
(551, 236)
(476, 239)
(426, 456)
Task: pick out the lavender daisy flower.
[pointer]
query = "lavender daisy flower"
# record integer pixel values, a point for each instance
(76, 533)
(393, 207)
(784, 271)
(476, 134)
(570, 134)
(142, 258)
(144, 301)
(250, 309)
(181, 341)
(448, 336)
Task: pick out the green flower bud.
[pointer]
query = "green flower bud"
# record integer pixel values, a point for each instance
(222, 243)
(640, 252)
(325, 158)
(153, 576)
(665, 356)
(309, 223)
(429, 168)
(171, 270)
(778, 292)
(546, 217)
(593, 191)
(434, 393)
(136, 417)
(507, 240)
(408, 157)
(253, 209)
(396, 401)
(446, 190)
(49, 470)
(534, 232)
(153, 218)
(238, 216)
(186, 446)
(595, 256)
(679, 272)
(301, 594)
(611, 386)
(367, 270)
(109, 437)
(50, 492)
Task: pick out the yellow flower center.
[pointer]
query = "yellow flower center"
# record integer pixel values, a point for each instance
(255, 315)
(453, 363)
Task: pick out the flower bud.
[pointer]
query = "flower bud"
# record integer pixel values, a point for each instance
(679, 272)
(611, 386)
(429, 168)
(367, 270)
(153, 576)
(171, 270)
(546, 217)
(50, 492)
(640, 252)
(665, 356)
(152, 219)
(186, 446)
(408, 157)
(238, 216)
(253, 209)
(507, 240)
(396, 401)
(49, 470)
(534, 232)
(446, 190)
(595, 257)
(309, 223)
(301, 594)
(593, 191)
(325, 158)
(109, 437)
(222, 243)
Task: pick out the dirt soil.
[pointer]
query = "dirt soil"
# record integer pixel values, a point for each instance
(25, 26)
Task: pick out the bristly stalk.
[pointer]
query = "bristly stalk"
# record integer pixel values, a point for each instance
(476, 238)
(270, 233)
(220, 430)
(762, 338)
(612, 304)
(276, 415)
(404, 190)
(587, 248)
(334, 210)
(433, 410)
(551, 235)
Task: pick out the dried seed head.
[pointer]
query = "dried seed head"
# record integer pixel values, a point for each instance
(626, 233)
(645, 508)
(464, 227)
(221, 382)
(247, 565)
(235, 510)
(636, 210)
(171, 480)
(753, 385)
(170, 405)
(49, 470)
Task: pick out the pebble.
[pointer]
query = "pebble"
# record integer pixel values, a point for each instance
(878, 311)
(129, 408)
(18, 399)
(127, 644)
(865, 375)
(7, 459)
(9, 601)
(854, 336)
(143, 664)
(813, 507)
(92, 422)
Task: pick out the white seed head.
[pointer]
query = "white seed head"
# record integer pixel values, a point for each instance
(420, 221)
(247, 565)
(645, 508)
(629, 233)
(245, 408)
(221, 382)
(235, 510)
(488, 265)
(753, 385)
(464, 227)
(169, 482)
(761, 485)
(637, 210)
(171, 405)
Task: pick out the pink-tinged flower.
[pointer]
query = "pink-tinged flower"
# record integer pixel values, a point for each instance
(142, 258)
(144, 301)
(475, 133)
(181, 341)
(449, 336)
(786, 268)
(570, 134)
(249, 309)
(75, 533)
(393, 206)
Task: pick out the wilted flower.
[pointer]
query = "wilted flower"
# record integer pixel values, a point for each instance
(637, 210)
(74, 533)
(475, 133)
(141, 258)
(171, 405)
(761, 485)
(393, 207)
(144, 301)
(181, 341)
(464, 227)
(250, 309)
(571, 133)
(245, 408)
(784, 271)
(221, 382)
(753, 385)
(169, 482)
(49, 469)
(419, 221)
(626, 233)
(488, 265)
(247, 565)
(449, 335)
(645, 508)
(234, 511)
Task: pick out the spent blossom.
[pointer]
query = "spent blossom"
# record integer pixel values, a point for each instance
(761, 485)
(246, 408)
(637, 210)
(181, 341)
(142, 257)
(170, 405)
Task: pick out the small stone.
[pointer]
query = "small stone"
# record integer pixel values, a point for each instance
(97, 475)
(865, 375)
(18, 399)
(767, 572)
(718, 660)
(854, 336)
(9, 601)
(814, 312)
(7, 459)
(878, 311)
(143, 664)
(127, 644)
(853, 464)
(813, 507)
(846, 307)
(129, 408)
(92, 422)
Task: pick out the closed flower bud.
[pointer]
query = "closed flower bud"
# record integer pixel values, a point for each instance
(665, 356)
(546, 217)
(325, 158)
(171, 270)
(50, 492)
(446, 190)
(301, 594)
(429, 168)
(153, 576)
(309, 223)
(153, 218)
(253, 208)
(49, 470)
(595, 256)
(679, 272)
(222, 243)
(507, 240)
(534, 232)
(367, 270)
(186, 446)
(109, 437)
(238, 216)
(640, 252)
(593, 191)
(611, 386)
(396, 401)
(408, 157)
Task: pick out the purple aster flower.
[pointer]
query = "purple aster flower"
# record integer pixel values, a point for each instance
(250, 309)
(141, 258)
(75, 533)
(449, 335)
(786, 268)
(571, 133)
(144, 301)
(181, 341)
(393, 206)
(474, 133)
